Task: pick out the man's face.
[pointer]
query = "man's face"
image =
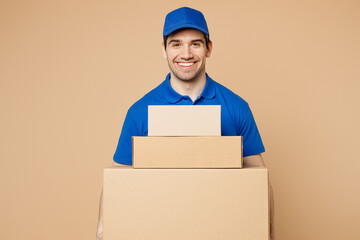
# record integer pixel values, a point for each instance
(186, 54)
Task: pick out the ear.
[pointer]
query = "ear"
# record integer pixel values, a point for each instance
(164, 51)
(209, 50)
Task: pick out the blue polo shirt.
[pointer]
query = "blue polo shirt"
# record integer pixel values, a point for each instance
(236, 116)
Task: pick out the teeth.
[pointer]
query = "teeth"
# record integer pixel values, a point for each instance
(186, 64)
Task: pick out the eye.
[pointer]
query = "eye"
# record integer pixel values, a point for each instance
(175, 45)
(196, 44)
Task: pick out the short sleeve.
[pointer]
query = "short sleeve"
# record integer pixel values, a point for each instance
(123, 153)
(252, 143)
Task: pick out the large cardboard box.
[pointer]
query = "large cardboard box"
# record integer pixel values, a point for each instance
(185, 204)
(187, 152)
(184, 120)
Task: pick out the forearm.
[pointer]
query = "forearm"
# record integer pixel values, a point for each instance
(99, 234)
(271, 202)
(257, 161)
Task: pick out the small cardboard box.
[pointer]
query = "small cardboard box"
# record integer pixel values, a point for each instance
(185, 204)
(180, 120)
(187, 152)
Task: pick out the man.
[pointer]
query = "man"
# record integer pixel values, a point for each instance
(186, 46)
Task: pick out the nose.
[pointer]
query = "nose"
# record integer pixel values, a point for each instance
(186, 52)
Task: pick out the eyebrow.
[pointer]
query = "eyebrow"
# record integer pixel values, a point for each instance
(198, 40)
(176, 41)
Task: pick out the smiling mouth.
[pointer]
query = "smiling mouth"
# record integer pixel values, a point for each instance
(186, 64)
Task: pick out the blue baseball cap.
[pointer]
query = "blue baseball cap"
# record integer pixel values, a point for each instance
(184, 18)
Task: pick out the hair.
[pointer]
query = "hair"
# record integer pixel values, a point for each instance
(206, 36)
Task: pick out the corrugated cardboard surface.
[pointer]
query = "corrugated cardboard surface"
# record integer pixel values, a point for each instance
(186, 204)
(187, 152)
(204, 120)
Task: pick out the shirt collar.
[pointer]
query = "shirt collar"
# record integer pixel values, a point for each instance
(173, 97)
(209, 89)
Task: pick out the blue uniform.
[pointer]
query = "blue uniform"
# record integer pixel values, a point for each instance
(236, 116)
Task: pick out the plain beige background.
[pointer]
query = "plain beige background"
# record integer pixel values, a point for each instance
(69, 70)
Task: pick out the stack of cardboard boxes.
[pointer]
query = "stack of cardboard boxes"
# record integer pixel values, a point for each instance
(186, 182)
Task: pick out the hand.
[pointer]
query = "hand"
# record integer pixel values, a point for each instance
(272, 232)
(99, 234)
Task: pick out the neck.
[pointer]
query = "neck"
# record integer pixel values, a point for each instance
(188, 88)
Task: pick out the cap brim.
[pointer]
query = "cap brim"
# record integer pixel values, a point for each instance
(169, 31)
